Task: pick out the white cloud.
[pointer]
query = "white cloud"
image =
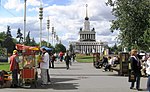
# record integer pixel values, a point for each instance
(33, 2)
(67, 19)
(13, 4)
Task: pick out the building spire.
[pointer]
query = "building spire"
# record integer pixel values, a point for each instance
(86, 18)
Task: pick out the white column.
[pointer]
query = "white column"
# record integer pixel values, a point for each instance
(90, 36)
(98, 49)
(86, 48)
(81, 49)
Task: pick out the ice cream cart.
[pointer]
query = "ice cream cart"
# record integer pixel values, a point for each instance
(28, 70)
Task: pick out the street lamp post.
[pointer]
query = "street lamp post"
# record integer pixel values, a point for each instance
(48, 26)
(54, 37)
(52, 34)
(25, 19)
(41, 17)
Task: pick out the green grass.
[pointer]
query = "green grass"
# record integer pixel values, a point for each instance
(84, 58)
(4, 66)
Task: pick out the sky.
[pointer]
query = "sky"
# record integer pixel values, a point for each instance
(66, 16)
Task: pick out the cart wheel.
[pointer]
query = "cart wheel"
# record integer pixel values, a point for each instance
(33, 84)
(20, 82)
(1, 86)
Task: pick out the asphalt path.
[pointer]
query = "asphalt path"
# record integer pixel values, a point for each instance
(81, 77)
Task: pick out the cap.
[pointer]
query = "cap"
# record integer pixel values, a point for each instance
(15, 51)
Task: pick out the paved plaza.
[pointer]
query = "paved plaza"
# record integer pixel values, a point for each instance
(82, 77)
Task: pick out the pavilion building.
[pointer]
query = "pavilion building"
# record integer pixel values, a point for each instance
(87, 40)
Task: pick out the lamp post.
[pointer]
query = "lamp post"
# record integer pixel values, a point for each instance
(41, 17)
(48, 26)
(25, 1)
(54, 37)
(52, 34)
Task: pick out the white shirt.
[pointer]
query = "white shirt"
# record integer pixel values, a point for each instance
(148, 66)
(45, 63)
(111, 62)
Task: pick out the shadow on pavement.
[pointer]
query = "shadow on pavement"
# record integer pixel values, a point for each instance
(65, 86)
(66, 68)
(59, 67)
(81, 74)
(56, 84)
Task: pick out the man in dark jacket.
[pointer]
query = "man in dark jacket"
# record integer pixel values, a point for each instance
(67, 59)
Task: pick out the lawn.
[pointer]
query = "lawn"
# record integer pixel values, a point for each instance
(4, 66)
(84, 58)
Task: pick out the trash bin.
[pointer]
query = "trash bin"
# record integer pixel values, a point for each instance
(124, 63)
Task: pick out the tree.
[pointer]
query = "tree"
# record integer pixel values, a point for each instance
(8, 33)
(19, 35)
(147, 38)
(44, 43)
(33, 43)
(9, 44)
(71, 48)
(7, 41)
(132, 22)
(60, 47)
(28, 40)
(2, 37)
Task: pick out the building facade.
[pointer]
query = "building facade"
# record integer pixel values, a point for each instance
(87, 40)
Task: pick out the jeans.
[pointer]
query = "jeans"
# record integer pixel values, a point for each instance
(137, 76)
(67, 64)
(15, 77)
(44, 76)
(148, 83)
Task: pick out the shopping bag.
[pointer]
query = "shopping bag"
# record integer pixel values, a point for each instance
(132, 77)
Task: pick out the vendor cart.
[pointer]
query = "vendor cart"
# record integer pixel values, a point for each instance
(28, 70)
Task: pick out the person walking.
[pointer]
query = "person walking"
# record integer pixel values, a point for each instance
(67, 59)
(14, 67)
(53, 59)
(61, 54)
(44, 65)
(73, 57)
(135, 69)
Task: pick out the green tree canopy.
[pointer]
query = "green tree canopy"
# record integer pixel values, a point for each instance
(132, 21)
(2, 36)
(28, 40)
(8, 33)
(60, 47)
(71, 48)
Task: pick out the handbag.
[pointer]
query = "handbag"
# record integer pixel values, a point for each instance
(132, 77)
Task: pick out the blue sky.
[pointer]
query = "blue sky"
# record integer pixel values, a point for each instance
(67, 16)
